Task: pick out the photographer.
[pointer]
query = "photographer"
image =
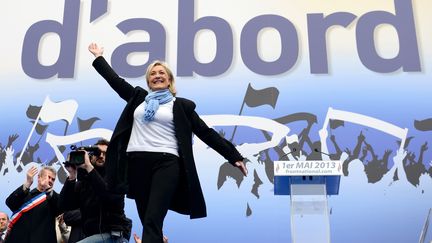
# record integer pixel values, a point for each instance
(102, 212)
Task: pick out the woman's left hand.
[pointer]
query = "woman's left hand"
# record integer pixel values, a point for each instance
(242, 167)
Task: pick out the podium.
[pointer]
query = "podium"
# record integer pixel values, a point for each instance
(309, 183)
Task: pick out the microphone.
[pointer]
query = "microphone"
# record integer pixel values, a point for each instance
(292, 151)
(317, 150)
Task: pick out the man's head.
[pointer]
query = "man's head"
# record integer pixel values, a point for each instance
(100, 160)
(46, 178)
(4, 221)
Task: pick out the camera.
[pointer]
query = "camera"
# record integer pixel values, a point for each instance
(76, 157)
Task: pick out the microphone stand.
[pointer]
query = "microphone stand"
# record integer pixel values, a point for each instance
(293, 151)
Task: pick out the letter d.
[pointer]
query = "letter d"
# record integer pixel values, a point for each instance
(68, 32)
(403, 21)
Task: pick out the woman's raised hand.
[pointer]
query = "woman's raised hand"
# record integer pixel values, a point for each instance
(95, 49)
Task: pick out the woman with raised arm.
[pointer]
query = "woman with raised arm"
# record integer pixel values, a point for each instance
(150, 155)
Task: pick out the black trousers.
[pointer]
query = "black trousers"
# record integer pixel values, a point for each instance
(153, 179)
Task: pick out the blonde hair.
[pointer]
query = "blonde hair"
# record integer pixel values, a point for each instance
(171, 87)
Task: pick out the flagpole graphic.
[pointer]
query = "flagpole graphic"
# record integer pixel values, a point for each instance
(254, 98)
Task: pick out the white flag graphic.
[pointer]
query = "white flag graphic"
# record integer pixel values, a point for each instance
(54, 111)
(380, 125)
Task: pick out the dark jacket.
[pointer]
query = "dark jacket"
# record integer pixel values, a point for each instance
(72, 218)
(36, 225)
(101, 211)
(189, 197)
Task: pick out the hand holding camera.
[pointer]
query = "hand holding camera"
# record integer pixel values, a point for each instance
(86, 165)
(80, 158)
(77, 156)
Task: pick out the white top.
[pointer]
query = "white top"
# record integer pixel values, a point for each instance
(154, 136)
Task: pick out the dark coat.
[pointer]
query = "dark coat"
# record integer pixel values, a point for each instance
(101, 211)
(189, 198)
(73, 218)
(36, 225)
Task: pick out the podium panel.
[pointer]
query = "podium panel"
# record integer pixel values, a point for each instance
(282, 184)
(308, 183)
(309, 213)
